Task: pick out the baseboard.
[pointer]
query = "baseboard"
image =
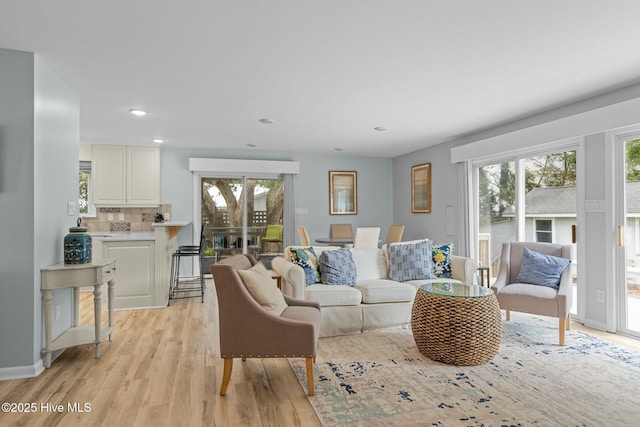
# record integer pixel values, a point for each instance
(20, 372)
(596, 325)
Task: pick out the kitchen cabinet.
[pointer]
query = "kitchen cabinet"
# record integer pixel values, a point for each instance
(136, 272)
(125, 175)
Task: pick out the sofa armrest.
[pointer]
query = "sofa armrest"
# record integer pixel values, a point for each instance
(464, 269)
(293, 277)
(300, 302)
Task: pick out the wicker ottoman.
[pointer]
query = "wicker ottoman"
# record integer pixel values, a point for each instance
(457, 324)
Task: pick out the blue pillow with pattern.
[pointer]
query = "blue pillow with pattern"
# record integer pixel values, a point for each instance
(541, 269)
(338, 267)
(442, 260)
(411, 261)
(307, 259)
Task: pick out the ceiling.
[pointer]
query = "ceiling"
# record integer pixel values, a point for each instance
(326, 72)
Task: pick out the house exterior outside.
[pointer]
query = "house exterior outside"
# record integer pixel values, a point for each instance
(550, 215)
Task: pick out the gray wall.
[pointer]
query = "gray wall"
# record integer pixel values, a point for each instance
(443, 224)
(375, 186)
(39, 118)
(596, 267)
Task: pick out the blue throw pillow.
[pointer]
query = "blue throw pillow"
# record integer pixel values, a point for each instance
(540, 269)
(307, 259)
(411, 261)
(337, 267)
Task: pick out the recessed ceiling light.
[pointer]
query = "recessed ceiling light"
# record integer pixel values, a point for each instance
(251, 145)
(137, 112)
(267, 121)
(339, 149)
(380, 128)
(158, 140)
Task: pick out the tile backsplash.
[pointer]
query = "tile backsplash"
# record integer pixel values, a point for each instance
(124, 218)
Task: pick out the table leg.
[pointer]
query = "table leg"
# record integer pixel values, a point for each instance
(76, 306)
(110, 292)
(48, 307)
(97, 307)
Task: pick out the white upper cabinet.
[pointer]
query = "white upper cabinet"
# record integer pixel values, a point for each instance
(126, 175)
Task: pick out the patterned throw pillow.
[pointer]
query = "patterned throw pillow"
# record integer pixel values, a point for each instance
(411, 261)
(442, 260)
(540, 269)
(338, 267)
(307, 259)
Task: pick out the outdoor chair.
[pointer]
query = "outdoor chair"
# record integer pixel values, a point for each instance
(273, 234)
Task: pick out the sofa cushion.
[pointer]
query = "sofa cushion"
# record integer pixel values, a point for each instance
(333, 295)
(418, 283)
(385, 290)
(306, 258)
(338, 267)
(263, 289)
(442, 260)
(370, 263)
(540, 269)
(411, 260)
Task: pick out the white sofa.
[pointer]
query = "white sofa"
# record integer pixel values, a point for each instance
(374, 302)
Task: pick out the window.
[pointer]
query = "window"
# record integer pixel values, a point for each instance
(544, 230)
(86, 201)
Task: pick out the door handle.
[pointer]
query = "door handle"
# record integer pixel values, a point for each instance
(620, 236)
(574, 233)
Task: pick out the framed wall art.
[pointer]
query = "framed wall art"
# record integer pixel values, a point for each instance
(421, 188)
(343, 192)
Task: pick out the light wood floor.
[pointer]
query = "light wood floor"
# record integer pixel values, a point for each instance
(163, 368)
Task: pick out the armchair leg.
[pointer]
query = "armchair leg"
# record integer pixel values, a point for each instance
(226, 375)
(568, 322)
(309, 361)
(508, 314)
(562, 327)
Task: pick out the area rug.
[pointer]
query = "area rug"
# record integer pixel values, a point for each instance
(379, 378)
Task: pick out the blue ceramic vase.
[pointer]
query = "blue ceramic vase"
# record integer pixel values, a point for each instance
(77, 246)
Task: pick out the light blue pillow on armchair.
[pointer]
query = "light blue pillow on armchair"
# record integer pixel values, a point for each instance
(540, 269)
(411, 261)
(337, 267)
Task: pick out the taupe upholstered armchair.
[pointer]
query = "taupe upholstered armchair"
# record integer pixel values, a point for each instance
(248, 330)
(534, 299)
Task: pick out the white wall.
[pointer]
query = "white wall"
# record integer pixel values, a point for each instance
(39, 117)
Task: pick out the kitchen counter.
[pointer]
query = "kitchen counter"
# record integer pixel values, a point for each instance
(179, 223)
(173, 226)
(123, 235)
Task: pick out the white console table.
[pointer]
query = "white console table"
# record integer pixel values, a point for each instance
(76, 276)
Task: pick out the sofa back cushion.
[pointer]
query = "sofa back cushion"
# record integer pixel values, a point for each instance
(370, 263)
(411, 260)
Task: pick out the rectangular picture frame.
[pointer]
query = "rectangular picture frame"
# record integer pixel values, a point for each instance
(343, 192)
(421, 188)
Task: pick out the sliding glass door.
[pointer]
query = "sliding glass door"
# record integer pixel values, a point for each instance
(237, 211)
(527, 198)
(629, 236)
